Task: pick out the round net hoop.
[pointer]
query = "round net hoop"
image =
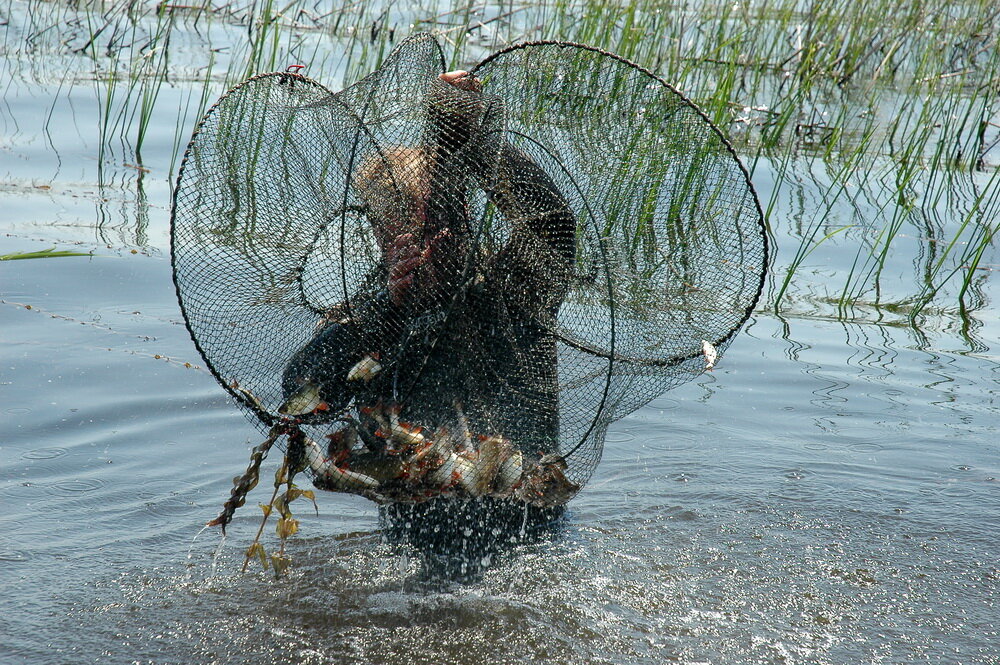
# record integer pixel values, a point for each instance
(450, 284)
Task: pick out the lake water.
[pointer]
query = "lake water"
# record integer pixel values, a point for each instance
(830, 493)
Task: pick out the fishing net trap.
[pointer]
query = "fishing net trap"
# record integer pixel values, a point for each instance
(445, 286)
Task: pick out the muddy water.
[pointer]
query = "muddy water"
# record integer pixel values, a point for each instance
(828, 494)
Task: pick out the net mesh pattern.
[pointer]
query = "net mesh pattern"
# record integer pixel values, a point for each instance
(452, 283)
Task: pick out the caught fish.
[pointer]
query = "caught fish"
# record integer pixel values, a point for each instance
(511, 469)
(329, 476)
(466, 474)
(341, 443)
(546, 484)
(253, 399)
(711, 355)
(318, 372)
(401, 461)
(304, 400)
(487, 463)
(383, 417)
(385, 469)
(400, 437)
(344, 480)
(463, 436)
(407, 437)
(454, 470)
(436, 448)
(365, 369)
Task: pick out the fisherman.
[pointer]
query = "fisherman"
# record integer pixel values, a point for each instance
(449, 334)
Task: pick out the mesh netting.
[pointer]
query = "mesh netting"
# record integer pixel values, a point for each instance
(450, 284)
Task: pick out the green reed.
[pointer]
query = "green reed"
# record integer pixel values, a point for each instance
(897, 106)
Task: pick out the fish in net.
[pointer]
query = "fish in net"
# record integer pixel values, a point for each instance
(438, 289)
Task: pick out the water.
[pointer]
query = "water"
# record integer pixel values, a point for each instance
(830, 493)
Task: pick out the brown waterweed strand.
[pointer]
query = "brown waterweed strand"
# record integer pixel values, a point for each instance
(243, 484)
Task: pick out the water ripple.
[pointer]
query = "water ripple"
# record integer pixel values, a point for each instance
(44, 453)
(13, 556)
(77, 485)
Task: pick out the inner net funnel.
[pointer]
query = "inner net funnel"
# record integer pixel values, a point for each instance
(447, 285)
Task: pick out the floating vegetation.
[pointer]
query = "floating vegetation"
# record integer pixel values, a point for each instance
(42, 254)
(286, 526)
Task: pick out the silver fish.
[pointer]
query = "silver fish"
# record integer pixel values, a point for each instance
(711, 355)
(511, 469)
(304, 400)
(365, 369)
(330, 476)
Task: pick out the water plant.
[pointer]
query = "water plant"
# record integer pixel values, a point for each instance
(52, 252)
(885, 120)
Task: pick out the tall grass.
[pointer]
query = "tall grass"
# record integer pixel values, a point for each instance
(894, 108)
(898, 105)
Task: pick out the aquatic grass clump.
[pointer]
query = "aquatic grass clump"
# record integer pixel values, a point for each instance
(897, 104)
